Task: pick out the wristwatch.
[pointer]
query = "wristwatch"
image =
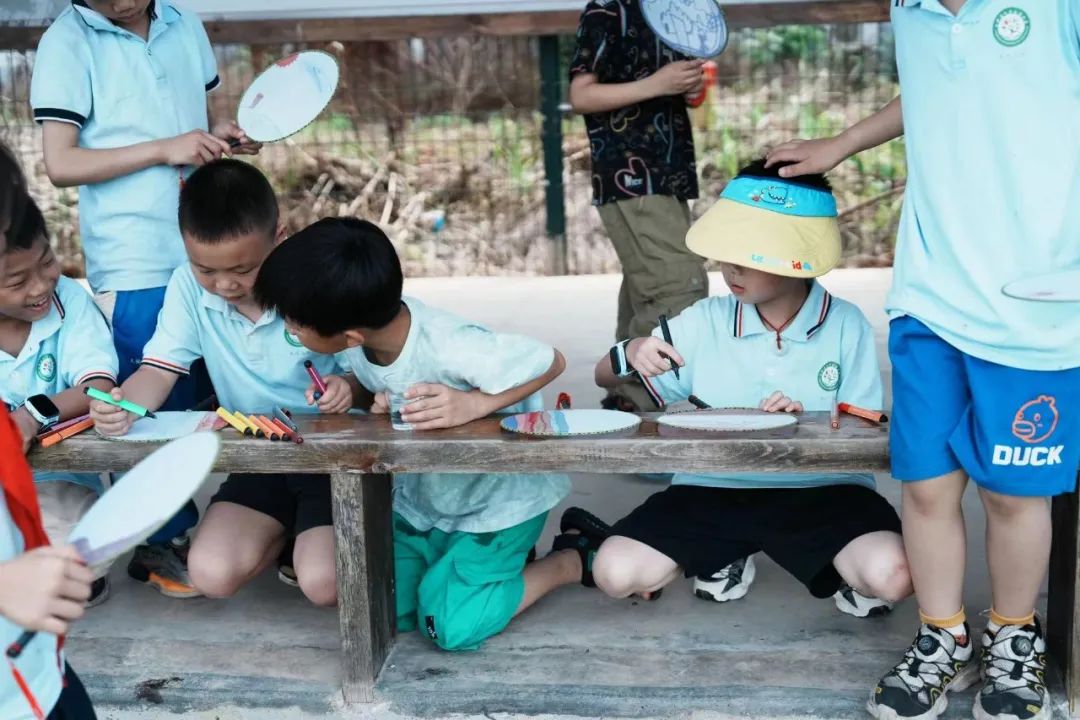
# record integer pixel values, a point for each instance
(619, 364)
(43, 410)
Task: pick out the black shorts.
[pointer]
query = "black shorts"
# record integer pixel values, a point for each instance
(298, 502)
(705, 529)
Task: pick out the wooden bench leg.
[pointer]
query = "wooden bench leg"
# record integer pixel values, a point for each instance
(1062, 613)
(363, 527)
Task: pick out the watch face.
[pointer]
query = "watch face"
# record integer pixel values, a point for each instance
(45, 407)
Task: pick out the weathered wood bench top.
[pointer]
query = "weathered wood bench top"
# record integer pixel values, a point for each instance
(357, 443)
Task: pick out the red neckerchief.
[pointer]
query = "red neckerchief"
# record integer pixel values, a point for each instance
(22, 503)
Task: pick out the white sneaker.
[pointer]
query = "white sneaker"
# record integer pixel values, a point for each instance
(731, 583)
(851, 601)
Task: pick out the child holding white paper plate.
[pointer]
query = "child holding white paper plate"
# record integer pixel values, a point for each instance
(782, 343)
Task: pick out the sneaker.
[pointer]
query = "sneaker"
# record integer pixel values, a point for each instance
(99, 592)
(731, 583)
(164, 567)
(1014, 668)
(851, 601)
(285, 571)
(916, 689)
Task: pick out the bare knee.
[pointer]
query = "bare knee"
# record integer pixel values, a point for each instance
(623, 567)
(319, 585)
(1006, 508)
(889, 579)
(214, 574)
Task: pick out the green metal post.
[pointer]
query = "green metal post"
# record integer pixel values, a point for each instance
(550, 100)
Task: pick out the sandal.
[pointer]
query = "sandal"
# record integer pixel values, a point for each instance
(596, 530)
(586, 547)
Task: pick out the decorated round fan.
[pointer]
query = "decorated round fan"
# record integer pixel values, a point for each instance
(570, 422)
(288, 96)
(695, 28)
(731, 420)
(1062, 286)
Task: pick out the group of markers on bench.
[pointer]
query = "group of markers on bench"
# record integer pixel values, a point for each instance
(278, 427)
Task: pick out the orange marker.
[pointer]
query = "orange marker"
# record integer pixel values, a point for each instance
(228, 417)
(64, 433)
(269, 424)
(286, 433)
(267, 431)
(871, 415)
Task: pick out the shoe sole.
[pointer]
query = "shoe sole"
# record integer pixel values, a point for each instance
(288, 579)
(980, 714)
(963, 680)
(874, 612)
(167, 588)
(100, 599)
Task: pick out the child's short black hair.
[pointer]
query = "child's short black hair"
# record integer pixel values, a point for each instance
(30, 229)
(335, 275)
(13, 195)
(227, 198)
(757, 169)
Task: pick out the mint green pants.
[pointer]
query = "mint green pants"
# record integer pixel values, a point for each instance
(460, 588)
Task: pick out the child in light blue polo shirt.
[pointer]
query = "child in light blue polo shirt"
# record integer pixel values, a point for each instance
(121, 97)
(229, 217)
(53, 344)
(986, 387)
(42, 588)
(461, 542)
(781, 343)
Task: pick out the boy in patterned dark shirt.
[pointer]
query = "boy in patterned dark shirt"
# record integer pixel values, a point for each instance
(631, 90)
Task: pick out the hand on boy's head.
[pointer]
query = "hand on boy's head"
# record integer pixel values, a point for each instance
(807, 157)
(646, 355)
(45, 589)
(110, 420)
(436, 407)
(193, 148)
(337, 399)
(679, 78)
(228, 131)
(779, 402)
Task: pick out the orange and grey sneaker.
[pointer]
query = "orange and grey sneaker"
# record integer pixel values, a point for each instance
(164, 567)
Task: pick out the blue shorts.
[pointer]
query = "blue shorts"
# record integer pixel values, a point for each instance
(1014, 432)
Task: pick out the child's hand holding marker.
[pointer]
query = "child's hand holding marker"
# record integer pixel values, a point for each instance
(651, 356)
(109, 417)
(779, 402)
(335, 398)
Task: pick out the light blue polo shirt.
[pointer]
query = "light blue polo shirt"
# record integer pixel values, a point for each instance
(69, 346)
(732, 360)
(120, 90)
(443, 348)
(991, 101)
(254, 366)
(38, 662)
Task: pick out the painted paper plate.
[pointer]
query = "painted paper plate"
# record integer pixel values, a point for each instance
(1063, 286)
(570, 422)
(144, 499)
(288, 96)
(695, 28)
(728, 420)
(168, 426)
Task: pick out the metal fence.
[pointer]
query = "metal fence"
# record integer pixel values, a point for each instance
(442, 142)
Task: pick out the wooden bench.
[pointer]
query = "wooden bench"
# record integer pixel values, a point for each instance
(363, 453)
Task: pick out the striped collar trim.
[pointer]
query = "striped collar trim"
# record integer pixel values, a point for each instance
(811, 318)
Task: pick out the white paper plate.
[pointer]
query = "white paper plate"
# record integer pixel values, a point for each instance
(728, 421)
(167, 426)
(570, 422)
(692, 27)
(144, 499)
(1063, 286)
(288, 96)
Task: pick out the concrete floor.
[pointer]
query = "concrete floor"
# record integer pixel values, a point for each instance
(778, 653)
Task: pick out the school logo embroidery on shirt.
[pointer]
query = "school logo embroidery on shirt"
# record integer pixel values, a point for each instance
(1012, 26)
(46, 367)
(1034, 422)
(828, 377)
(293, 340)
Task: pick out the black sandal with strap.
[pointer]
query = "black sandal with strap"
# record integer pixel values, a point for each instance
(586, 547)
